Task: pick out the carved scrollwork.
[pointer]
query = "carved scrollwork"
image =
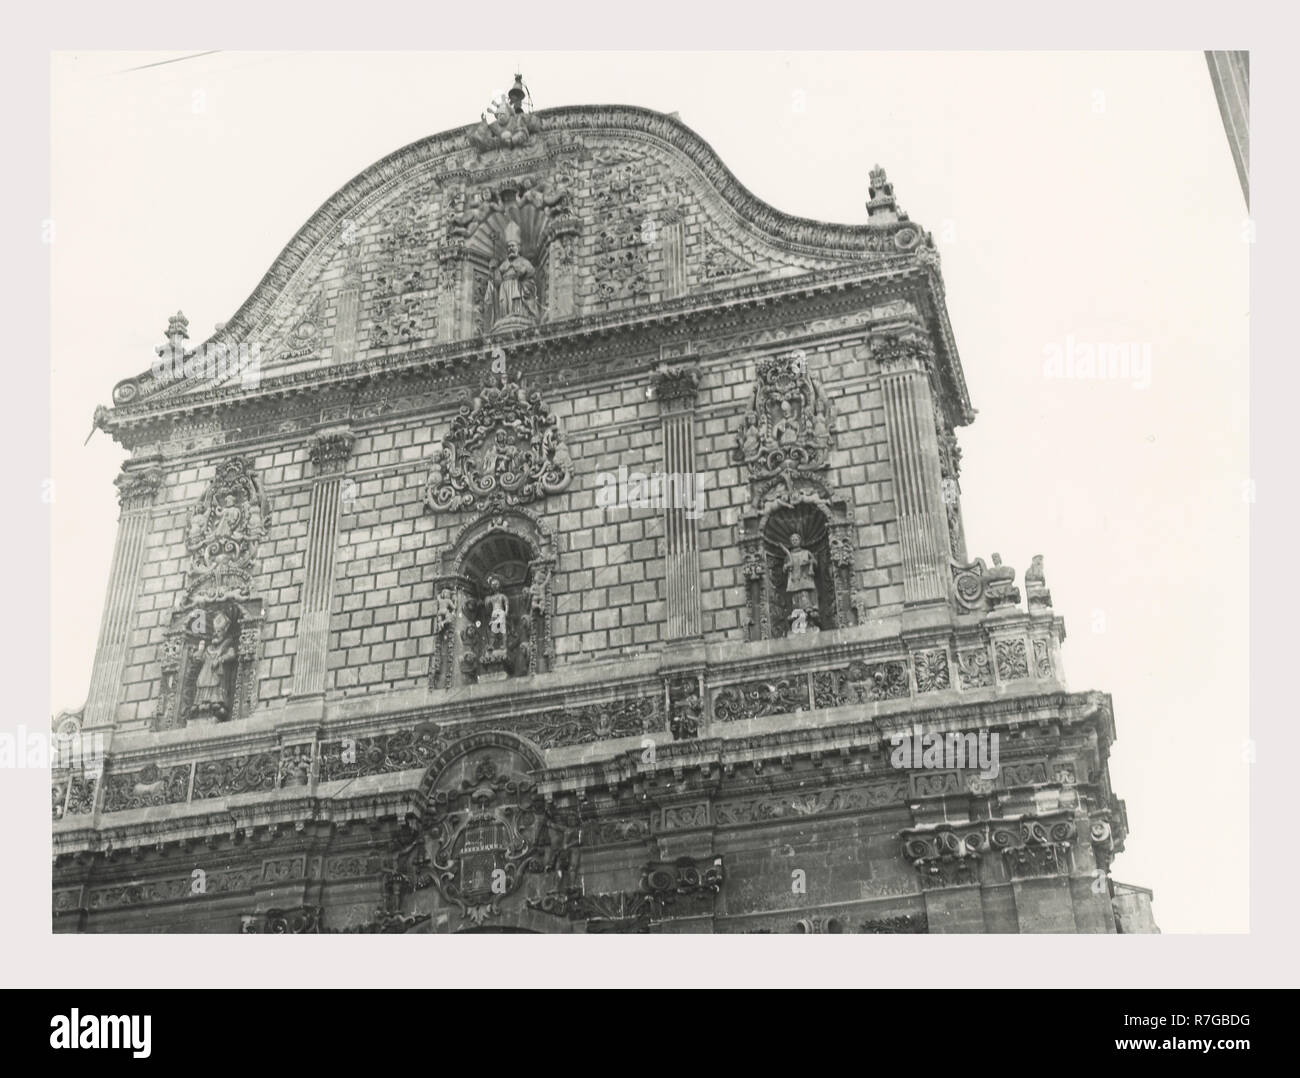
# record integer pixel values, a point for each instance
(485, 828)
(862, 682)
(789, 430)
(225, 528)
(236, 775)
(151, 785)
(405, 750)
(1035, 847)
(503, 447)
(974, 669)
(590, 722)
(756, 699)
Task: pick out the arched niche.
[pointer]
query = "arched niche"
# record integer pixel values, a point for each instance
(494, 607)
(804, 585)
(514, 240)
(209, 662)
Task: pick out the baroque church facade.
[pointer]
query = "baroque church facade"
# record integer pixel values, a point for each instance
(560, 539)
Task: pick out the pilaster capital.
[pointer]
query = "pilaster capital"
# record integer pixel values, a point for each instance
(139, 482)
(676, 388)
(331, 448)
(902, 350)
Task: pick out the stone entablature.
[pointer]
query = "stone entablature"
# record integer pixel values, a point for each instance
(1044, 815)
(936, 661)
(591, 342)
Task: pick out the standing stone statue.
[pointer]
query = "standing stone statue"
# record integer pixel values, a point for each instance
(801, 576)
(512, 295)
(211, 687)
(498, 609)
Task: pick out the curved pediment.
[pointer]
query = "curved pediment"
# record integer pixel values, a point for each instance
(475, 235)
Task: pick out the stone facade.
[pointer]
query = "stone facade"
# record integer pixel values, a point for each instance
(560, 539)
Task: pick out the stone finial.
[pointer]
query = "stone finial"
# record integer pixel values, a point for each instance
(178, 327)
(881, 206)
(178, 332)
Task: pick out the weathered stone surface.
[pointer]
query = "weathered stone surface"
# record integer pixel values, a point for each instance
(498, 664)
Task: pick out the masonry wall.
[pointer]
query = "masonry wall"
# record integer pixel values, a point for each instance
(609, 585)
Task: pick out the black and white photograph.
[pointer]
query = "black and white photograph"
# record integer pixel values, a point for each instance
(518, 487)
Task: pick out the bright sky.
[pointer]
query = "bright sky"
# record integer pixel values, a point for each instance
(1078, 199)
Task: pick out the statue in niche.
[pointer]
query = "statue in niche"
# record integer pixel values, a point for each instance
(511, 296)
(801, 581)
(497, 607)
(212, 686)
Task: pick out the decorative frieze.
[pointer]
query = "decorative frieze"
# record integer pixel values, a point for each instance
(236, 775)
(405, 750)
(907, 923)
(586, 723)
(151, 785)
(860, 683)
(756, 699)
(812, 803)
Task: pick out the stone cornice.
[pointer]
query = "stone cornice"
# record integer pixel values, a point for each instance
(681, 772)
(733, 306)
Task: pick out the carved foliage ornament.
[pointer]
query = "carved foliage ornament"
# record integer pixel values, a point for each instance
(505, 445)
(226, 527)
(790, 426)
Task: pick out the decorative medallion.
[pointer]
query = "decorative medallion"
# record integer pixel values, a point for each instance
(505, 446)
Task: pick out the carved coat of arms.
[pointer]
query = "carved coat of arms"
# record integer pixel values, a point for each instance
(483, 834)
(504, 446)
